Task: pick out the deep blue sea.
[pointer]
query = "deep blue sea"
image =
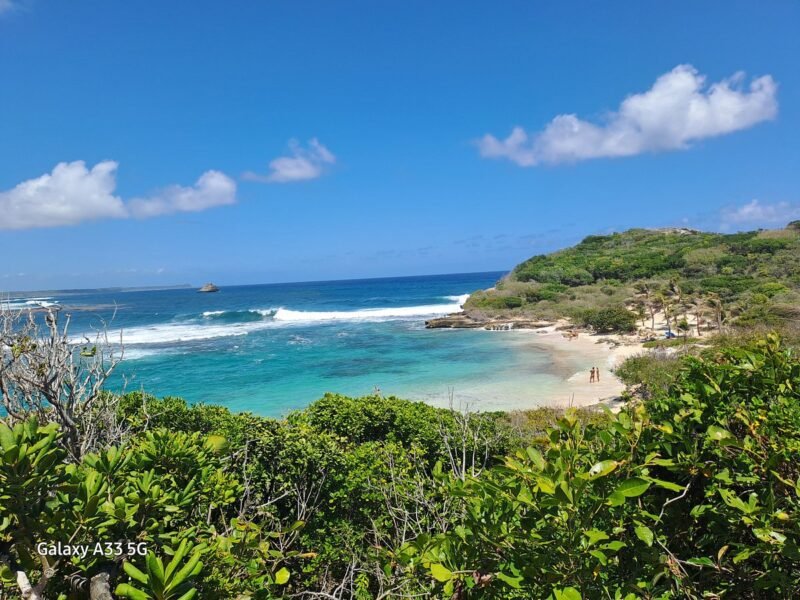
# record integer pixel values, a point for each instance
(273, 348)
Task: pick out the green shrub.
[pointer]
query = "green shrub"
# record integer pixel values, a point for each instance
(606, 320)
(695, 493)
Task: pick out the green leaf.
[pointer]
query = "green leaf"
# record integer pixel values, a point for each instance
(667, 485)
(190, 569)
(134, 573)
(633, 487)
(601, 469)
(282, 576)
(440, 572)
(718, 434)
(155, 570)
(743, 555)
(613, 546)
(568, 593)
(645, 534)
(615, 499)
(595, 535)
(703, 561)
(536, 458)
(512, 581)
(127, 591)
(599, 555)
(546, 486)
(217, 443)
(6, 437)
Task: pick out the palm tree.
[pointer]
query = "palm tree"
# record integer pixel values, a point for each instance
(666, 304)
(647, 293)
(640, 310)
(698, 307)
(715, 302)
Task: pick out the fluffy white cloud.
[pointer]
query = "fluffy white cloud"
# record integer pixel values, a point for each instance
(211, 189)
(301, 164)
(756, 212)
(73, 194)
(676, 111)
(70, 194)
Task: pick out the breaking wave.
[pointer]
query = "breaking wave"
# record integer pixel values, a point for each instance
(232, 323)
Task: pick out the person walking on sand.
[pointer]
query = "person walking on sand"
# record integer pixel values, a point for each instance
(591, 375)
(596, 375)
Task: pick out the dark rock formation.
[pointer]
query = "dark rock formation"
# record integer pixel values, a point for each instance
(464, 320)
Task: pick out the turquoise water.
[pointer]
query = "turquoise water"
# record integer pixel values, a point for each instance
(273, 348)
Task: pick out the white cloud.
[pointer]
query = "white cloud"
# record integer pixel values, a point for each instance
(677, 110)
(757, 213)
(69, 195)
(302, 164)
(211, 189)
(6, 6)
(73, 194)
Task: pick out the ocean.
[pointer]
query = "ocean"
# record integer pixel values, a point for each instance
(274, 348)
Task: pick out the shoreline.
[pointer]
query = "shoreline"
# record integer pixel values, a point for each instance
(574, 352)
(595, 350)
(560, 381)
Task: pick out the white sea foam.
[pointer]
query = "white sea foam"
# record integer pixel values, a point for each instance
(264, 312)
(460, 299)
(27, 303)
(213, 324)
(137, 353)
(171, 333)
(369, 314)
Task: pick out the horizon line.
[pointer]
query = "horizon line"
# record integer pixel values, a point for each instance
(156, 288)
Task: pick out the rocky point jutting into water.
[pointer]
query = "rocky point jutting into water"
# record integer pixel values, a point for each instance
(464, 320)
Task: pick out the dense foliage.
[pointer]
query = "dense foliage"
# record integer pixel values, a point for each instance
(693, 492)
(747, 278)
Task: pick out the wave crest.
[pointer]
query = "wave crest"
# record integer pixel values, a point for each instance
(234, 316)
(368, 314)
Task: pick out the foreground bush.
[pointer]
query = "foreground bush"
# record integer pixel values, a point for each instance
(691, 493)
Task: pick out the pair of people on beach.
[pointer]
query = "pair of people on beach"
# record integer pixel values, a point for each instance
(594, 375)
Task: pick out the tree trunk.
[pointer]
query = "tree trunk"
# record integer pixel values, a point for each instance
(27, 591)
(99, 588)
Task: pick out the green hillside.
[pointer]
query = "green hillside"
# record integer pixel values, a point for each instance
(741, 278)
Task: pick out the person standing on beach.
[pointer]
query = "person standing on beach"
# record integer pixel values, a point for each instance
(591, 375)
(597, 375)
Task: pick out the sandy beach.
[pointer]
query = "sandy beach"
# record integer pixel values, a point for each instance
(550, 370)
(566, 382)
(605, 352)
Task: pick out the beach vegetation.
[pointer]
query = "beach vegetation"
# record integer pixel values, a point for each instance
(606, 320)
(721, 280)
(693, 489)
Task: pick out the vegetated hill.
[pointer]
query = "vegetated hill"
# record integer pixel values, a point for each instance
(744, 278)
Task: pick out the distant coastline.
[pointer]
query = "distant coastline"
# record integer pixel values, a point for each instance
(102, 290)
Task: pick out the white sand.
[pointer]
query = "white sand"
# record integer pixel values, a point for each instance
(562, 382)
(587, 351)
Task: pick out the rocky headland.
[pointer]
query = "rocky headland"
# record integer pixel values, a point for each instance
(469, 320)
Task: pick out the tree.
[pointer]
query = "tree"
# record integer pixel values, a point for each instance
(698, 308)
(43, 372)
(715, 302)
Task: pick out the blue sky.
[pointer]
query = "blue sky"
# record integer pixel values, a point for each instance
(183, 114)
